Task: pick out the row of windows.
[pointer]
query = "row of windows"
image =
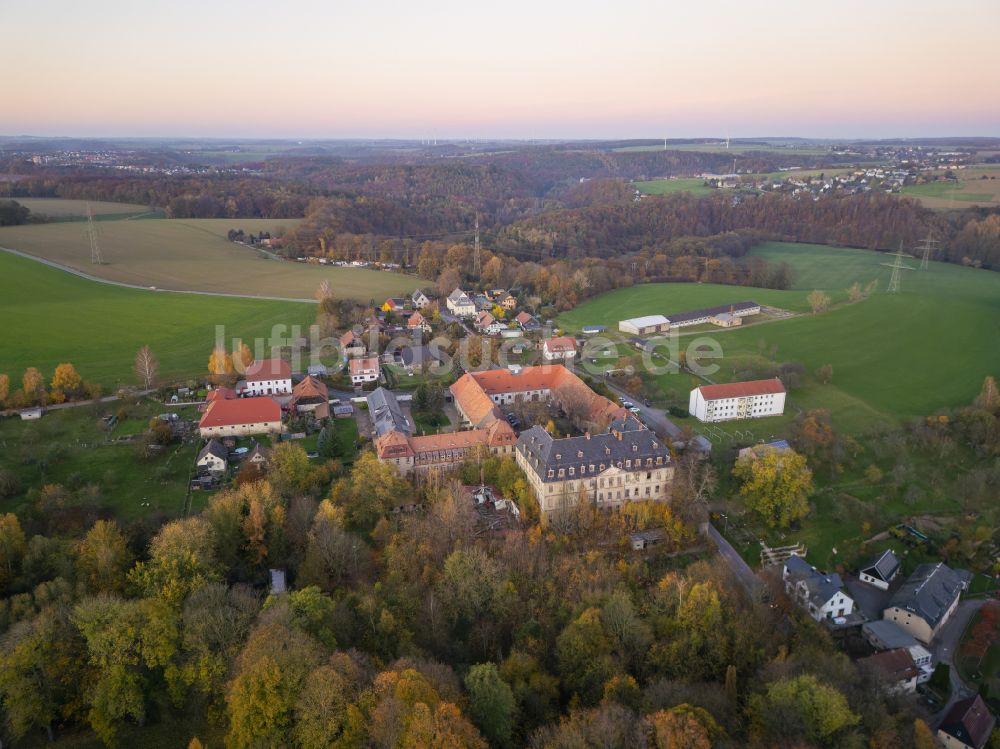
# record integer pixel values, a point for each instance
(584, 469)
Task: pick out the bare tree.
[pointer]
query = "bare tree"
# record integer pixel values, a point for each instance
(325, 290)
(147, 367)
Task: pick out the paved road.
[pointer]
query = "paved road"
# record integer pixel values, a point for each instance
(122, 284)
(743, 572)
(946, 643)
(652, 417)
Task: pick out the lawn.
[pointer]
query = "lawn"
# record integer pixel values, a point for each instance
(194, 255)
(69, 447)
(894, 357)
(60, 208)
(51, 316)
(693, 185)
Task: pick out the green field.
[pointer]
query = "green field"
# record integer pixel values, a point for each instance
(693, 185)
(194, 255)
(50, 316)
(64, 208)
(69, 447)
(894, 356)
(979, 185)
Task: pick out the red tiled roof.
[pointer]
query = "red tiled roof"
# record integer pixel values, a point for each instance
(561, 344)
(896, 665)
(742, 389)
(268, 369)
(356, 366)
(222, 413)
(310, 387)
(416, 320)
(220, 393)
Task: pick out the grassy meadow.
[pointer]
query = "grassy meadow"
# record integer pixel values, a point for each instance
(894, 357)
(51, 316)
(694, 185)
(74, 448)
(194, 255)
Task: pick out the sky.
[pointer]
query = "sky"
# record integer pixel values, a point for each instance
(520, 69)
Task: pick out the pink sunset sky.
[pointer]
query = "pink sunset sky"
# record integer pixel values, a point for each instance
(539, 69)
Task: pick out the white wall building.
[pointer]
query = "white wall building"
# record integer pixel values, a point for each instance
(644, 325)
(268, 377)
(460, 305)
(559, 349)
(364, 370)
(738, 400)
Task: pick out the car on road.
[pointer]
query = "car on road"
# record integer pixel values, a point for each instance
(627, 404)
(635, 410)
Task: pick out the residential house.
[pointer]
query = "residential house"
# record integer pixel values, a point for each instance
(419, 299)
(417, 321)
(559, 349)
(420, 358)
(482, 302)
(268, 377)
(352, 344)
(821, 595)
(459, 304)
(927, 599)
(737, 400)
(258, 456)
(363, 370)
(240, 416)
(385, 414)
(895, 668)
(213, 458)
(527, 323)
(628, 463)
(881, 571)
(487, 324)
(968, 725)
(311, 396)
(885, 635)
(394, 304)
(505, 301)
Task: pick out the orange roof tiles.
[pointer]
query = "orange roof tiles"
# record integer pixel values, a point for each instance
(223, 413)
(268, 369)
(357, 366)
(742, 389)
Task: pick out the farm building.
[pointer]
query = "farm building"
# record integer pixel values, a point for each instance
(881, 571)
(557, 349)
(352, 344)
(895, 668)
(527, 323)
(886, 635)
(724, 315)
(738, 400)
(385, 413)
(311, 396)
(268, 377)
(645, 325)
(442, 451)
(240, 416)
(927, 600)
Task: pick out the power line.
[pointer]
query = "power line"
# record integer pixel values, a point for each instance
(927, 246)
(897, 266)
(95, 246)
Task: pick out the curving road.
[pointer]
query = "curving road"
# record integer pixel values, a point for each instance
(122, 284)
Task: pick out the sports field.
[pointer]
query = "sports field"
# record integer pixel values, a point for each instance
(894, 357)
(194, 255)
(693, 185)
(64, 208)
(50, 316)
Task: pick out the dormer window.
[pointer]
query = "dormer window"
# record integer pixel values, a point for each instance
(659, 461)
(579, 453)
(558, 456)
(572, 471)
(635, 448)
(551, 473)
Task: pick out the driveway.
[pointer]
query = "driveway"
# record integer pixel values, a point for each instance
(869, 600)
(655, 418)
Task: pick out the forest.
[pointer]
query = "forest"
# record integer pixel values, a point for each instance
(408, 629)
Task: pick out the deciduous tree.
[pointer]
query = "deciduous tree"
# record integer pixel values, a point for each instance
(66, 379)
(776, 485)
(146, 367)
(103, 558)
